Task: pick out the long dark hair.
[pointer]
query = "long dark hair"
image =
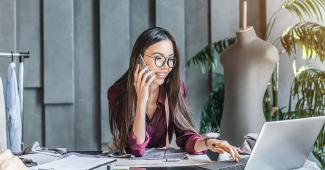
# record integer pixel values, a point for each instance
(122, 113)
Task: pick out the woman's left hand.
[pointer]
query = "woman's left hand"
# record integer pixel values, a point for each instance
(222, 146)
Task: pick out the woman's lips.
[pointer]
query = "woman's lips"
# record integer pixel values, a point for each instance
(161, 75)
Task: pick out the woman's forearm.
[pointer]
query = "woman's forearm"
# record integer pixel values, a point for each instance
(139, 124)
(200, 146)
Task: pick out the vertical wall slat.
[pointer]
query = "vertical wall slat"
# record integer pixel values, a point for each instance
(171, 15)
(139, 18)
(28, 39)
(33, 116)
(224, 25)
(86, 78)
(114, 52)
(196, 21)
(60, 126)
(59, 73)
(7, 34)
(58, 51)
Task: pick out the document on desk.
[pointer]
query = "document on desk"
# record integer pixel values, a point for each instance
(193, 160)
(74, 163)
(162, 153)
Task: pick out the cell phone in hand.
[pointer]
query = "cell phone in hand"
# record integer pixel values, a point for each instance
(142, 65)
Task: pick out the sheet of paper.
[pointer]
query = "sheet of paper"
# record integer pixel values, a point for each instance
(74, 163)
(193, 160)
(41, 158)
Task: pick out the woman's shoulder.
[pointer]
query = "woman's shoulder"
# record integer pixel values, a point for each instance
(116, 89)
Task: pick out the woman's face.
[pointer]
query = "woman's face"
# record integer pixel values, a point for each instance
(160, 53)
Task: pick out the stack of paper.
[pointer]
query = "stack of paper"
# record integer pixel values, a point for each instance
(74, 163)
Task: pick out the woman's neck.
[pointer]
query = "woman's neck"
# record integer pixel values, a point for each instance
(246, 35)
(153, 88)
(152, 100)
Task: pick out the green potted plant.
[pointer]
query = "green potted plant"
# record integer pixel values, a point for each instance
(308, 86)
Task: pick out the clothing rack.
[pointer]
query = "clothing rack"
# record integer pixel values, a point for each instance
(21, 56)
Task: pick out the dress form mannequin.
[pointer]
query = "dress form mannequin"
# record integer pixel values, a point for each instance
(248, 66)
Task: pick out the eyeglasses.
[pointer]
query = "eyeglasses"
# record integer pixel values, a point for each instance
(160, 60)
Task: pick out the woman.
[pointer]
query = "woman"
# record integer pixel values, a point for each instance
(147, 103)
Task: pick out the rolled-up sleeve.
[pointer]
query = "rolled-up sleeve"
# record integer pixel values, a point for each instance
(135, 147)
(186, 141)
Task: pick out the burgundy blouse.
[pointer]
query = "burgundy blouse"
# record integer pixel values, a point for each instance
(156, 128)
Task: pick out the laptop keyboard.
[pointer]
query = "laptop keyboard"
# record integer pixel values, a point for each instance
(238, 166)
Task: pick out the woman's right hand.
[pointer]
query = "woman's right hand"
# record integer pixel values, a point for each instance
(222, 146)
(142, 81)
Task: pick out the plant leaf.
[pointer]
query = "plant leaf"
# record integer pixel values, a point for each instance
(206, 58)
(305, 8)
(309, 36)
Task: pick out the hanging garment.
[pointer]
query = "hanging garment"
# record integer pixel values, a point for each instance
(3, 130)
(14, 125)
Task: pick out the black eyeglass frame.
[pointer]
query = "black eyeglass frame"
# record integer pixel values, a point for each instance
(165, 60)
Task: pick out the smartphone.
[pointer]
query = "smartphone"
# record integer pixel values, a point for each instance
(142, 65)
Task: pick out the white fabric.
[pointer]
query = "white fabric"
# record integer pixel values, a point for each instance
(14, 125)
(249, 143)
(3, 130)
(10, 162)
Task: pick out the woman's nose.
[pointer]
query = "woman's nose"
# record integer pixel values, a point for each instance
(165, 66)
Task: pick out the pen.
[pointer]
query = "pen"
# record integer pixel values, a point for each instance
(102, 164)
(172, 159)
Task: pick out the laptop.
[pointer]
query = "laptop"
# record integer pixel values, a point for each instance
(281, 145)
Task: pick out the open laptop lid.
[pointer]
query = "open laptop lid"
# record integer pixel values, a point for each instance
(285, 144)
